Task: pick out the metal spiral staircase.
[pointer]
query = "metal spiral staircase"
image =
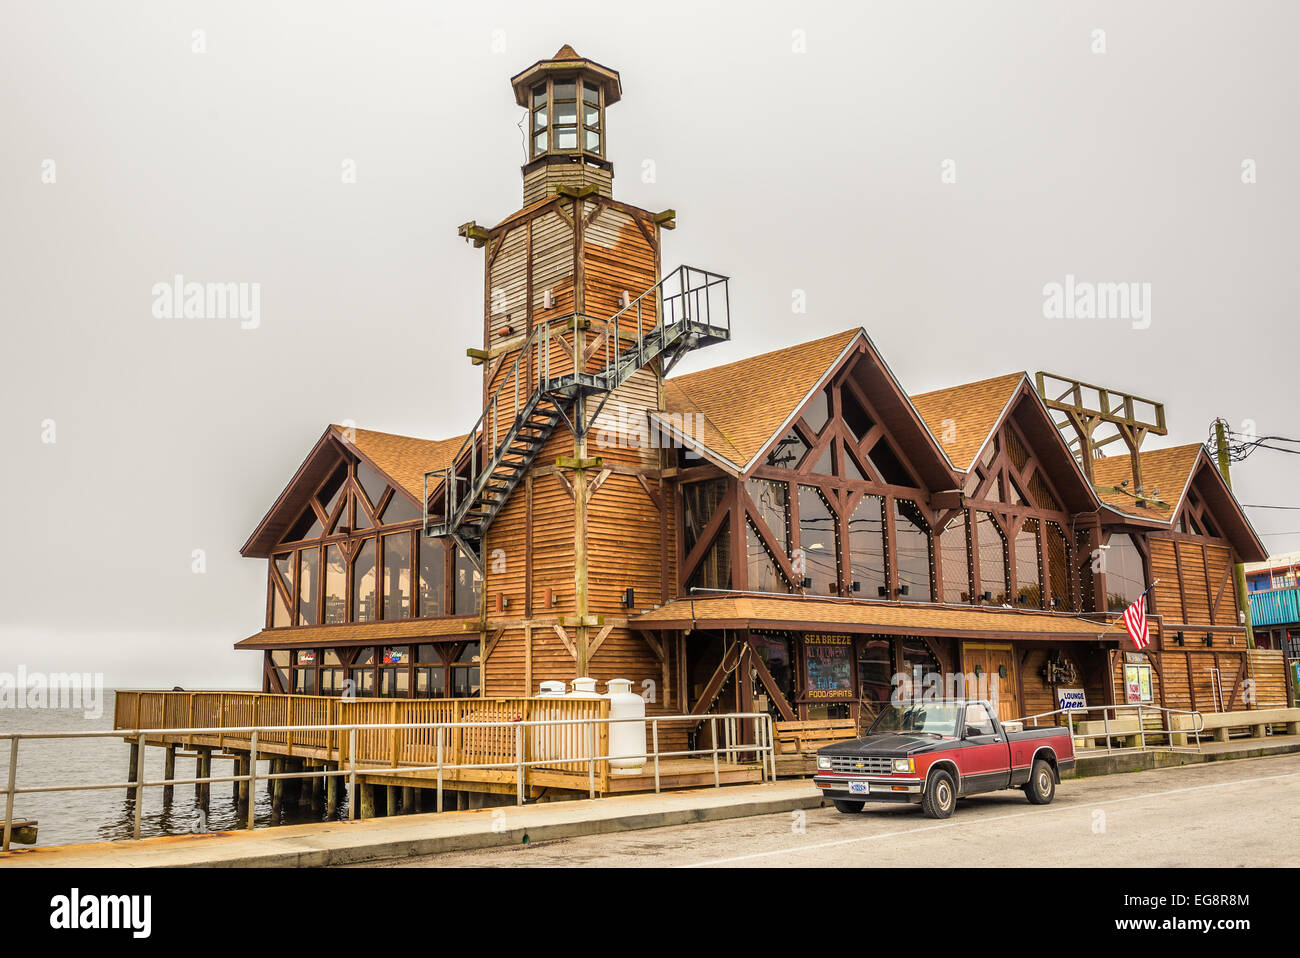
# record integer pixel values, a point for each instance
(560, 360)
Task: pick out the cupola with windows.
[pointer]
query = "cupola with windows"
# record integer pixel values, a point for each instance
(566, 97)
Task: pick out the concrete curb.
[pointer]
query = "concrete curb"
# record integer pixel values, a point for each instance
(385, 839)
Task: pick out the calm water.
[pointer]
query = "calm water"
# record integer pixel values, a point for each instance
(106, 815)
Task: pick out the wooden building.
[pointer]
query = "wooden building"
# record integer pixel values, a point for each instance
(791, 532)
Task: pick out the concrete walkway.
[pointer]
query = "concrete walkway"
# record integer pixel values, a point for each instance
(1133, 761)
(377, 839)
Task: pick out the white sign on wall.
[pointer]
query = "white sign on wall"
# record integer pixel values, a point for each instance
(1070, 699)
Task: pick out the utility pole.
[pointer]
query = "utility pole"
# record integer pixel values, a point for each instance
(1238, 570)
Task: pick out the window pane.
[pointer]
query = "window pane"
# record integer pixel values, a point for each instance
(371, 482)
(566, 138)
(397, 576)
(464, 683)
(787, 452)
(591, 93)
(820, 541)
(307, 527)
(591, 115)
(875, 673)
(466, 585)
(539, 94)
(332, 491)
(855, 417)
(308, 566)
(714, 570)
(433, 574)
(468, 655)
(774, 649)
(1058, 569)
(591, 141)
(1122, 565)
(400, 509)
(993, 559)
(430, 682)
(954, 550)
(279, 610)
(867, 546)
(700, 499)
(819, 410)
(773, 502)
(539, 142)
(1029, 588)
(764, 576)
(888, 466)
(336, 585)
(539, 120)
(566, 89)
(912, 548)
(363, 582)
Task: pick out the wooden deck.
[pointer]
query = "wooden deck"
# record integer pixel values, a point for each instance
(379, 751)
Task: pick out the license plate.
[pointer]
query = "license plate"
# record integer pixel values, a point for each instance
(859, 788)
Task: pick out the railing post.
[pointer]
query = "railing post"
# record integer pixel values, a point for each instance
(440, 730)
(713, 728)
(9, 792)
(519, 764)
(654, 738)
(353, 801)
(1142, 728)
(252, 776)
(591, 759)
(139, 785)
(1105, 721)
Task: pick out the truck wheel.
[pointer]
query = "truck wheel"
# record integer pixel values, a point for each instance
(1041, 787)
(848, 808)
(940, 796)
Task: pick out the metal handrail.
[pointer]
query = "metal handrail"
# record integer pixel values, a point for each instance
(1166, 728)
(763, 749)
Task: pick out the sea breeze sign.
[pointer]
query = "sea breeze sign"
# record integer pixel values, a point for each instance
(830, 666)
(1071, 699)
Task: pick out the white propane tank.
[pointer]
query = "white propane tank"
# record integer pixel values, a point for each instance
(583, 688)
(626, 739)
(546, 740)
(577, 739)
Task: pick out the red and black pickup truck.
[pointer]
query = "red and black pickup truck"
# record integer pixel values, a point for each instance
(932, 753)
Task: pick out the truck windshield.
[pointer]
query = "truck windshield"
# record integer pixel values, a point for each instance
(933, 717)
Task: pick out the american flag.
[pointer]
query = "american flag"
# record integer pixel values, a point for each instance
(1135, 620)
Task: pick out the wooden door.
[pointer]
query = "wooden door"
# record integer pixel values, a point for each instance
(994, 658)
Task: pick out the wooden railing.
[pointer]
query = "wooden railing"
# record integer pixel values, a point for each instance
(569, 746)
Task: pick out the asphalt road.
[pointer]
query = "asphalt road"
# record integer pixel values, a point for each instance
(1217, 814)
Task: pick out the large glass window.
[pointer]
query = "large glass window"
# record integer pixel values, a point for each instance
(362, 673)
(371, 483)
(591, 118)
(331, 673)
(867, 556)
(819, 538)
(465, 673)
(787, 452)
(363, 582)
(1029, 586)
(336, 585)
(764, 573)
(773, 502)
(714, 570)
(430, 673)
(433, 576)
(993, 559)
(308, 585)
(1125, 578)
(397, 575)
(466, 584)
(395, 672)
(1058, 569)
(699, 500)
(954, 549)
(888, 466)
(912, 547)
(875, 674)
(774, 648)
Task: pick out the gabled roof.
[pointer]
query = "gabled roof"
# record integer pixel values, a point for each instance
(401, 460)
(963, 417)
(745, 403)
(745, 406)
(1173, 470)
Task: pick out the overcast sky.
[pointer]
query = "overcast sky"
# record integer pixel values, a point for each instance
(804, 147)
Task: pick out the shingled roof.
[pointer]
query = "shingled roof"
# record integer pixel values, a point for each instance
(743, 404)
(403, 459)
(973, 409)
(1169, 470)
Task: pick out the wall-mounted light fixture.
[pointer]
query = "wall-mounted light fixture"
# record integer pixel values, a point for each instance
(629, 597)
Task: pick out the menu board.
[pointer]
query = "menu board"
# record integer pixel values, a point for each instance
(830, 666)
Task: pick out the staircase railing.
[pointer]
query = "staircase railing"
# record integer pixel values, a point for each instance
(599, 356)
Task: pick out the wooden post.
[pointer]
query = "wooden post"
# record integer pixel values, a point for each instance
(277, 790)
(169, 772)
(130, 770)
(1238, 570)
(204, 763)
(579, 529)
(245, 764)
(332, 796)
(367, 800)
(390, 800)
(317, 790)
(408, 800)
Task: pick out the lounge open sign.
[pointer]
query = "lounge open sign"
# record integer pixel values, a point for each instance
(1071, 699)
